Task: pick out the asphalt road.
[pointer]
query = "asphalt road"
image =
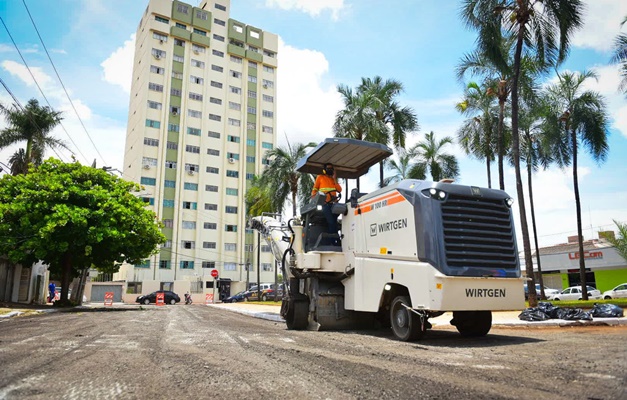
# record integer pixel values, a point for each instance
(197, 352)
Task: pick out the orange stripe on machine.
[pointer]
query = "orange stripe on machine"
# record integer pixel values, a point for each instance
(380, 202)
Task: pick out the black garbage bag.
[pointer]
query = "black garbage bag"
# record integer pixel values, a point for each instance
(533, 314)
(549, 309)
(573, 314)
(607, 311)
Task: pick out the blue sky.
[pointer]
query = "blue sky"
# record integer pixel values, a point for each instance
(323, 43)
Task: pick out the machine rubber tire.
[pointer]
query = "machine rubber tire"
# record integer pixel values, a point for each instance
(297, 316)
(146, 301)
(172, 301)
(608, 297)
(406, 324)
(472, 323)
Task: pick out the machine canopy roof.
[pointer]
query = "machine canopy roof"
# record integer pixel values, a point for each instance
(351, 158)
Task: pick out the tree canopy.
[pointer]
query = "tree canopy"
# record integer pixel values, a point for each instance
(72, 217)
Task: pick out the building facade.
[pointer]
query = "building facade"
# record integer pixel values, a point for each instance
(202, 117)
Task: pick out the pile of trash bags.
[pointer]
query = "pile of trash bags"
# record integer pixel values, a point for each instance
(546, 311)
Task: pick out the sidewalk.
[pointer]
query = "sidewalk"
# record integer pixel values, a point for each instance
(499, 318)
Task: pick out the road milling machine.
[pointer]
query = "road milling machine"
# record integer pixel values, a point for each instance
(404, 253)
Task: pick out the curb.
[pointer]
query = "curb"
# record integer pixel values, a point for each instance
(270, 316)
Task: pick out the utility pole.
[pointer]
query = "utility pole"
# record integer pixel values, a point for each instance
(258, 266)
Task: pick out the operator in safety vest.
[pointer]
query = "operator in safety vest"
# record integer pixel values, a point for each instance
(327, 184)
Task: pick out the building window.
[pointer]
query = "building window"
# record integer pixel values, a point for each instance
(265, 248)
(231, 191)
(219, 22)
(211, 188)
(230, 266)
(216, 84)
(230, 209)
(192, 149)
(175, 92)
(196, 79)
(169, 184)
(267, 113)
(170, 164)
(252, 79)
(157, 70)
(178, 58)
(234, 122)
(235, 106)
(209, 245)
(269, 53)
(213, 134)
(179, 25)
(186, 265)
(213, 170)
(231, 138)
(189, 205)
(266, 145)
(195, 96)
(211, 207)
(251, 126)
(148, 181)
(252, 94)
(149, 200)
(267, 267)
(193, 131)
(208, 264)
(188, 244)
(155, 87)
(168, 203)
(151, 162)
(267, 129)
(172, 146)
(151, 142)
(235, 74)
(198, 49)
(248, 248)
(250, 159)
(179, 42)
(174, 127)
(234, 156)
(220, 7)
(232, 174)
(200, 32)
(215, 100)
(218, 38)
(235, 90)
(267, 84)
(236, 59)
(268, 69)
(210, 225)
(203, 15)
(217, 68)
(177, 75)
(190, 186)
(158, 54)
(215, 117)
(213, 152)
(251, 110)
(249, 176)
(153, 124)
(197, 63)
(164, 264)
(230, 246)
(217, 53)
(194, 113)
(192, 167)
(182, 8)
(168, 223)
(154, 105)
(250, 142)
(269, 99)
(252, 65)
(161, 19)
(230, 228)
(188, 225)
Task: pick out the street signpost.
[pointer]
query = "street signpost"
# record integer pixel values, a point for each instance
(214, 274)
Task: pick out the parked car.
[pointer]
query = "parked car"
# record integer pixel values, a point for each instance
(253, 291)
(574, 293)
(547, 291)
(169, 297)
(616, 293)
(236, 298)
(268, 294)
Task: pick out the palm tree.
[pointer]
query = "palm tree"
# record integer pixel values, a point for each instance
(621, 242)
(283, 179)
(477, 133)
(430, 157)
(579, 119)
(620, 57)
(34, 125)
(258, 197)
(543, 28)
(18, 162)
(403, 169)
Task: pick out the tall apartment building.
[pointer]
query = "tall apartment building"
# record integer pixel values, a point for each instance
(202, 116)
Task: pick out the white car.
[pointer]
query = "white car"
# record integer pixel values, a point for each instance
(574, 293)
(618, 292)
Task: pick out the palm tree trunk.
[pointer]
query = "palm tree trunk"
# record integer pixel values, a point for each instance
(294, 203)
(533, 298)
(535, 231)
(501, 138)
(582, 262)
(487, 161)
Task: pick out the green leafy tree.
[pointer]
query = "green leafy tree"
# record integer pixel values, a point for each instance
(478, 133)
(283, 179)
(621, 241)
(258, 197)
(429, 156)
(71, 217)
(542, 28)
(32, 124)
(620, 57)
(578, 119)
(402, 169)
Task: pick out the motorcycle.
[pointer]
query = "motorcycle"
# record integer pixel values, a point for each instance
(188, 298)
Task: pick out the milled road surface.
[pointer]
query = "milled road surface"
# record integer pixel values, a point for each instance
(198, 352)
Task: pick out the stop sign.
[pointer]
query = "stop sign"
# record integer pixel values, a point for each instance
(214, 273)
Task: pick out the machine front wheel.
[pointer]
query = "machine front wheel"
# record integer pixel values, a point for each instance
(406, 324)
(297, 315)
(472, 323)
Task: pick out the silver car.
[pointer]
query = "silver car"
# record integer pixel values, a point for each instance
(616, 293)
(575, 293)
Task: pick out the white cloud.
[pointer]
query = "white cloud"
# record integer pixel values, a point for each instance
(118, 67)
(602, 20)
(20, 71)
(4, 48)
(58, 51)
(306, 107)
(607, 85)
(311, 7)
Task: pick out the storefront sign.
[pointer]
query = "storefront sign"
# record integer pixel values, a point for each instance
(587, 255)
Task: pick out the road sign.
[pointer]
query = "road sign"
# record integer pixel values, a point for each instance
(161, 299)
(108, 299)
(214, 273)
(208, 298)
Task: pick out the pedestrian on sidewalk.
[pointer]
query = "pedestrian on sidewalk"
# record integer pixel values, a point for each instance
(51, 289)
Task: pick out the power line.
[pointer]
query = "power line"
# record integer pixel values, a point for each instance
(39, 87)
(62, 85)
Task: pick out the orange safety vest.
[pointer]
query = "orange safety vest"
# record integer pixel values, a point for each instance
(326, 184)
